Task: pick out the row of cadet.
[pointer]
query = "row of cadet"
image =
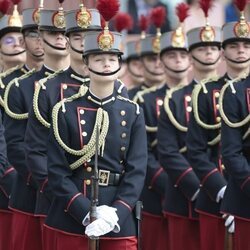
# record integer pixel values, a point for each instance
(188, 165)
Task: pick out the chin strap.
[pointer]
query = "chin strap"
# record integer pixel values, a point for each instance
(52, 46)
(13, 54)
(206, 64)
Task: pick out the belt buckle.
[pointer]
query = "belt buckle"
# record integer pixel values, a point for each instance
(103, 177)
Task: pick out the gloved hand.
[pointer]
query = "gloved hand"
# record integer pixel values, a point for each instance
(104, 212)
(220, 194)
(229, 222)
(99, 227)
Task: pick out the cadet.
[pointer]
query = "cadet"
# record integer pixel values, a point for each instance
(151, 99)
(18, 100)
(11, 40)
(203, 143)
(234, 109)
(71, 147)
(134, 68)
(51, 91)
(181, 189)
(12, 49)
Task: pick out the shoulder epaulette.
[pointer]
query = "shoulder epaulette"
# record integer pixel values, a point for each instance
(221, 109)
(88, 150)
(41, 85)
(6, 96)
(6, 73)
(195, 96)
(128, 100)
(119, 91)
(169, 111)
(80, 79)
(139, 95)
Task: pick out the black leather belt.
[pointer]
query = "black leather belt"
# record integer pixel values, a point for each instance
(106, 177)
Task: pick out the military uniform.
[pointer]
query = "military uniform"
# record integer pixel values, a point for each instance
(234, 109)
(235, 152)
(151, 100)
(8, 172)
(18, 98)
(121, 165)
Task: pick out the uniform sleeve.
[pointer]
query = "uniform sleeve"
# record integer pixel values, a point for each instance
(135, 170)
(156, 177)
(232, 144)
(14, 134)
(197, 145)
(176, 165)
(7, 172)
(60, 174)
(36, 138)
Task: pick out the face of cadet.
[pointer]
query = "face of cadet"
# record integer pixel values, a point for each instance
(135, 70)
(178, 60)
(56, 39)
(12, 43)
(76, 40)
(153, 64)
(104, 63)
(33, 44)
(239, 52)
(206, 54)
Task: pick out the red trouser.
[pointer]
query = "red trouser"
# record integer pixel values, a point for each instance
(56, 240)
(5, 229)
(154, 232)
(183, 233)
(26, 232)
(212, 232)
(242, 234)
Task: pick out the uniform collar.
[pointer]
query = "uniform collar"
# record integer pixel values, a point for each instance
(100, 102)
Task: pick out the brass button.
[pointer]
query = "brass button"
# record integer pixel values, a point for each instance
(189, 109)
(160, 102)
(88, 182)
(222, 166)
(123, 112)
(123, 135)
(218, 119)
(188, 98)
(84, 134)
(65, 86)
(123, 149)
(217, 106)
(123, 123)
(81, 111)
(217, 94)
(89, 169)
(83, 122)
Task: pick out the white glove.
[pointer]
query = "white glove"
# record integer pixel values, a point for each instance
(220, 194)
(194, 197)
(98, 227)
(104, 212)
(229, 223)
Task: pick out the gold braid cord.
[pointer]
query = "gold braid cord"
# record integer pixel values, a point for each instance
(169, 111)
(222, 113)
(139, 95)
(38, 87)
(3, 75)
(102, 121)
(6, 96)
(80, 79)
(195, 96)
